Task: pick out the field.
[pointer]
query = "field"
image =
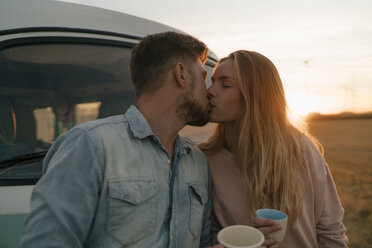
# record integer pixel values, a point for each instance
(348, 151)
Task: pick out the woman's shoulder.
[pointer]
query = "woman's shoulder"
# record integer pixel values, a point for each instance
(313, 156)
(311, 144)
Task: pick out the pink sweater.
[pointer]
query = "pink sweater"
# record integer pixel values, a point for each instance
(320, 224)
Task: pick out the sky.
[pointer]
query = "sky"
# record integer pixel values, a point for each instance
(322, 49)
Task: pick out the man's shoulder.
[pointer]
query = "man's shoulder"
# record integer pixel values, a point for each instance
(97, 128)
(103, 123)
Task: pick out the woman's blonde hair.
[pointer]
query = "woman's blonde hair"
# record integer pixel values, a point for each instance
(269, 151)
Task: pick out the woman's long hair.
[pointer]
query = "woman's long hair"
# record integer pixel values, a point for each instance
(269, 151)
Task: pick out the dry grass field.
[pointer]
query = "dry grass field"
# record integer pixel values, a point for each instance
(348, 151)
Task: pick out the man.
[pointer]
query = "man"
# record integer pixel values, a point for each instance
(129, 180)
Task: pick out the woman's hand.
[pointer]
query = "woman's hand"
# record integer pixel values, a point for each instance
(267, 226)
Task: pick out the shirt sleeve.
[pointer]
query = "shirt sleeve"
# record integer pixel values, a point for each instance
(64, 200)
(205, 237)
(329, 228)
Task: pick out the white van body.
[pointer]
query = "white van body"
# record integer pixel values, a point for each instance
(61, 64)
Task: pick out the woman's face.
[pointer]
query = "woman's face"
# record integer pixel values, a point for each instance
(224, 94)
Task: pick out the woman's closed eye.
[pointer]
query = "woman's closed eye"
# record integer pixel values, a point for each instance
(226, 85)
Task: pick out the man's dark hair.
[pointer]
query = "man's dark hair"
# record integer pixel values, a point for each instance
(156, 54)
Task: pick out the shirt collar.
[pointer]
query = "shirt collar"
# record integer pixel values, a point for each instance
(183, 145)
(141, 129)
(138, 124)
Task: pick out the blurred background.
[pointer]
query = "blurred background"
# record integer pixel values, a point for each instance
(323, 51)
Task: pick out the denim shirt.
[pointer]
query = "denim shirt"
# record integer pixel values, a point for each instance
(109, 183)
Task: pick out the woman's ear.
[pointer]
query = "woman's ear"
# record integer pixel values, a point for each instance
(179, 74)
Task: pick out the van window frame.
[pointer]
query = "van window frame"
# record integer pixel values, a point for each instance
(68, 30)
(24, 41)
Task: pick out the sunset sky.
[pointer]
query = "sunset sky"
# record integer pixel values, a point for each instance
(334, 37)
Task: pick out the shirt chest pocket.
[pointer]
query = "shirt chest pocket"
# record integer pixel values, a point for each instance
(131, 209)
(198, 198)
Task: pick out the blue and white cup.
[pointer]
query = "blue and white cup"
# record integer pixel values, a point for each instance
(278, 217)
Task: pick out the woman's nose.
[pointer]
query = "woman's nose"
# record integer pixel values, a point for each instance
(210, 94)
(210, 91)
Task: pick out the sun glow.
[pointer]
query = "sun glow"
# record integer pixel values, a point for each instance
(300, 105)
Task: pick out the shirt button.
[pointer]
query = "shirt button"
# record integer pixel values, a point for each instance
(168, 161)
(171, 237)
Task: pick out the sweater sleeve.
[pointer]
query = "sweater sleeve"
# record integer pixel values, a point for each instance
(328, 209)
(330, 229)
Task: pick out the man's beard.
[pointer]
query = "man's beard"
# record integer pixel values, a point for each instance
(193, 113)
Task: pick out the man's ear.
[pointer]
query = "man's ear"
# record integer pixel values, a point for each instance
(179, 73)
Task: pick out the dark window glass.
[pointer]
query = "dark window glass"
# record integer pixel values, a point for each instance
(46, 89)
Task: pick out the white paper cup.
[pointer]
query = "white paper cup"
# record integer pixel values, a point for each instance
(277, 216)
(239, 236)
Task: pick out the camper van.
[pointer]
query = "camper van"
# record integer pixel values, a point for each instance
(61, 64)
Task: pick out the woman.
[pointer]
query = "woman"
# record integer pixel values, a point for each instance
(258, 159)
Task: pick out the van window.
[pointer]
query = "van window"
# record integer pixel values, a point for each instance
(46, 89)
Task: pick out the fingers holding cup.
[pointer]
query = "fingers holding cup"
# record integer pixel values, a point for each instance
(272, 231)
